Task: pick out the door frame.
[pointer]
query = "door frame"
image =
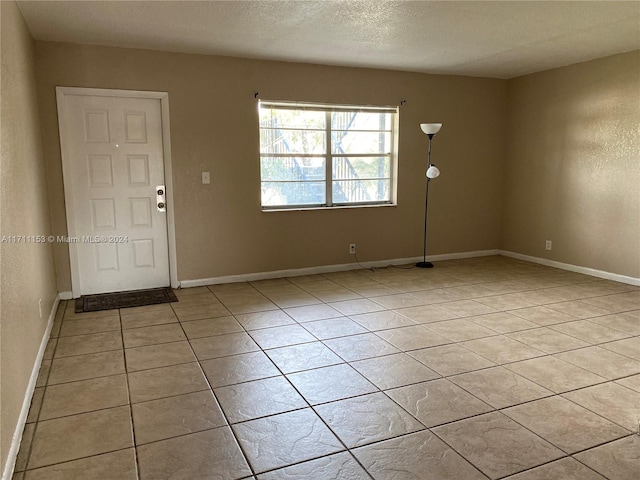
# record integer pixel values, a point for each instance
(67, 166)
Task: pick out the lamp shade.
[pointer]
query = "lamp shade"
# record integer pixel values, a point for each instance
(430, 128)
(433, 172)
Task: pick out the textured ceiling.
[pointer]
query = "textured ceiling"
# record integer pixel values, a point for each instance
(501, 39)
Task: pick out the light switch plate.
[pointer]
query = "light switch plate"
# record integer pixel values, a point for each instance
(206, 179)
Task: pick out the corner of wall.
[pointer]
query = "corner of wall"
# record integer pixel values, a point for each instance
(27, 284)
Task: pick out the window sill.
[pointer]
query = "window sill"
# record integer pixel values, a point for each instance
(333, 207)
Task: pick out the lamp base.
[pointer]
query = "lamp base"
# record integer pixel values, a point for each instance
(424, 265)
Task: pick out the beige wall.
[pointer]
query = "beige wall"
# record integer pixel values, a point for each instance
(573, 165)
(566, 139)
(26, 270)
(219, 227)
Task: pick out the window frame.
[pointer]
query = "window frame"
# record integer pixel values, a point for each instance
(329, 155)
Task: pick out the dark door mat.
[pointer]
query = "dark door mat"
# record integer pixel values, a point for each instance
(137, 298)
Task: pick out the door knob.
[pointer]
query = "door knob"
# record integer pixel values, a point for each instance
(160, 198)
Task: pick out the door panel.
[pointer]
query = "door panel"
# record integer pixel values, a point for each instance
(113, 163)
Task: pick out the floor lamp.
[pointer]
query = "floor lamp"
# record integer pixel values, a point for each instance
(430, 129)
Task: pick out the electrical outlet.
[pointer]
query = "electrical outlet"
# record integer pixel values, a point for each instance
(548, 244)
(352, 248)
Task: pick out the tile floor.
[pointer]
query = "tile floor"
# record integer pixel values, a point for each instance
(478, 368)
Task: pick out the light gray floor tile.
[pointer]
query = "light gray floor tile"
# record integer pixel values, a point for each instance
(69, 438)
(211, 326)
(602, 362)
(148, 318)
(412, 338)
(565, 469)
(501, 349)
(359, 347)
(166, 381)
(421, 455)
(393, 371)
(367, 419)
(497, 445)
(612, 401)
(589, 331)
(233, 369)
(208, 454)
(154, 356)
(340, 466)
(330, 383)
(310, 313)
(554, 374)
(281, 440)
(629, 347)
(120, 464)
(91, 343)
(547, 340)
(619, 460)
(223, 345)
(503, 322)
(460, 330)
(305, 356)
(565, 424)
(334, 327)
(437, 402)
(275, 337)
(451, 359)
(84, 396)
(175, 416)
(259, 398)
(382, 320)
(82, 367)
(632, 382)
(140, 337)
(271, 318)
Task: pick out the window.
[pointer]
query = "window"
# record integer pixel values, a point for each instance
(326, 155)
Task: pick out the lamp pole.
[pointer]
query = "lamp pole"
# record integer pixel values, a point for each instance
(430, 129)
(424, 263)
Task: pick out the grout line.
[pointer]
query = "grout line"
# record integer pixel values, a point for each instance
(308, 404)
(219, 405)
(126, 376)
(517, 273)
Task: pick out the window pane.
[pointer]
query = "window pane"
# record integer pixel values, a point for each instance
(293, 154)
(276, 194)
(292, 169)
(360, 121)
(354, 191)
(292, 141)
(280, 118)
(346, 168)
(346, 141)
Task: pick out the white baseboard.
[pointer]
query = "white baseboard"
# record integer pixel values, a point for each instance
(297, 272)
(24, 412)
(66, 295)
(459, 255)
(573, 268)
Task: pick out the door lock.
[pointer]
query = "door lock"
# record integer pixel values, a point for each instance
(160, 198)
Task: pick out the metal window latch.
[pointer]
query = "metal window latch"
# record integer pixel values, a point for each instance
(161, 201)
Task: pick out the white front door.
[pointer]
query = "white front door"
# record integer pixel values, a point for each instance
(113, 166)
